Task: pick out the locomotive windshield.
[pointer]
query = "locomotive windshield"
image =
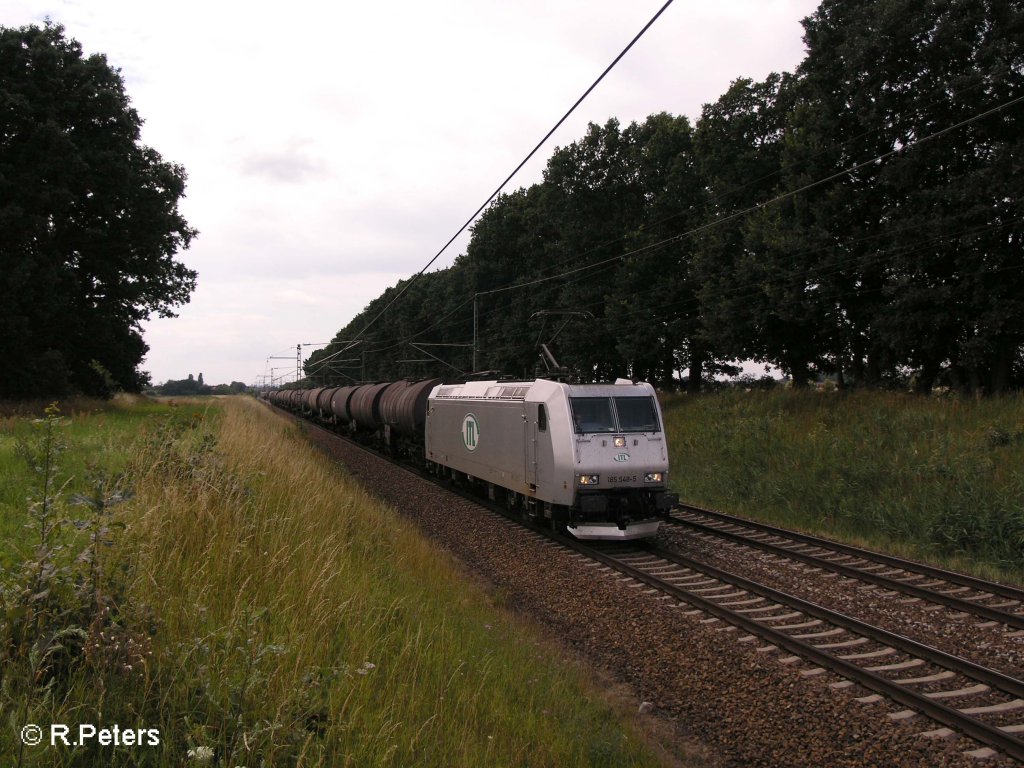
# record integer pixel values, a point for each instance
(592, 414)
(636, 414)
(630, 414)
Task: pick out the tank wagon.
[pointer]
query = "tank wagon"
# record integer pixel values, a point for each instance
(591, 458)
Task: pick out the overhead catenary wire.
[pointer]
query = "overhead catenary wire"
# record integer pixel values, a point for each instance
(902, 149)
(766, 203)
(752, 287)
(748, 290)
(720, 196)
(824, 271)
(753, 208)
(518, 167)
(498, 190)
(401, 289)
(515, 340)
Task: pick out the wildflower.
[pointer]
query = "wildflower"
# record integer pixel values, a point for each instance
(366, 668)
(201, 755)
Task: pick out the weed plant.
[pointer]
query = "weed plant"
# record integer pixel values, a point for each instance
(938, 478)
(94, 437)
(233, 589)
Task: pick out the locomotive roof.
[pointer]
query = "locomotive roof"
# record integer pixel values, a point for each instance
(523, 390)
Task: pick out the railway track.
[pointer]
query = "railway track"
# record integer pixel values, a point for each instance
(960, 696)
(989, 601)
(957, 694)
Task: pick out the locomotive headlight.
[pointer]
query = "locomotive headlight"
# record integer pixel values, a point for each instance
(620, 442)
(654, 477)
(589, 479)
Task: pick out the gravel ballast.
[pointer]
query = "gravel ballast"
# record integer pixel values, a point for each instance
(732, 697)
(983, 642)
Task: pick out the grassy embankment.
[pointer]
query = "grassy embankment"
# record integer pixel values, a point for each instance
(940, 479)
(256, 608)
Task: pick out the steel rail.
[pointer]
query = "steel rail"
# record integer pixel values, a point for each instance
(1014, 620)
(960, 579)
(987, 734)
(996, 679)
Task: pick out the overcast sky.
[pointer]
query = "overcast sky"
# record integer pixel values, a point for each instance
(332, 148)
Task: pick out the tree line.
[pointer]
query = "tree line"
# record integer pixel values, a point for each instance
(89, 222)
(859, 218)
(194, 386)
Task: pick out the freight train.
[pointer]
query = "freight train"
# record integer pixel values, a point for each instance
(590, 458)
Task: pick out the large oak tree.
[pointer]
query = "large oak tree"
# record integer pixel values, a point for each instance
(89, 222)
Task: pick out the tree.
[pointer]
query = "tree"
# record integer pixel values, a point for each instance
(759, 297)
(927, 240)
(657, 319)
(89, 222)
(515, 241)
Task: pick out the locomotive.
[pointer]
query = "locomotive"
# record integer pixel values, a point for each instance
(590, 458)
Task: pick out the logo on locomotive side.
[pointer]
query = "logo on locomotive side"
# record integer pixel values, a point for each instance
(470, 432)
(622, 457)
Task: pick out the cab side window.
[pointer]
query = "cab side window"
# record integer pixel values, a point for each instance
(542, 418)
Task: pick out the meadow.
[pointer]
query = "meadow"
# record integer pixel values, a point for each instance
(200, 572)
(935, 478)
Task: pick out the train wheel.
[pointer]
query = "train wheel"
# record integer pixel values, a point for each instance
(559, 518)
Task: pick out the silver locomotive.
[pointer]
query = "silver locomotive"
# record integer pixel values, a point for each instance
(592, 458)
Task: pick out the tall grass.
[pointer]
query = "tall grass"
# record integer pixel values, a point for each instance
(935, 478)
(260, 609)
(98, 436)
